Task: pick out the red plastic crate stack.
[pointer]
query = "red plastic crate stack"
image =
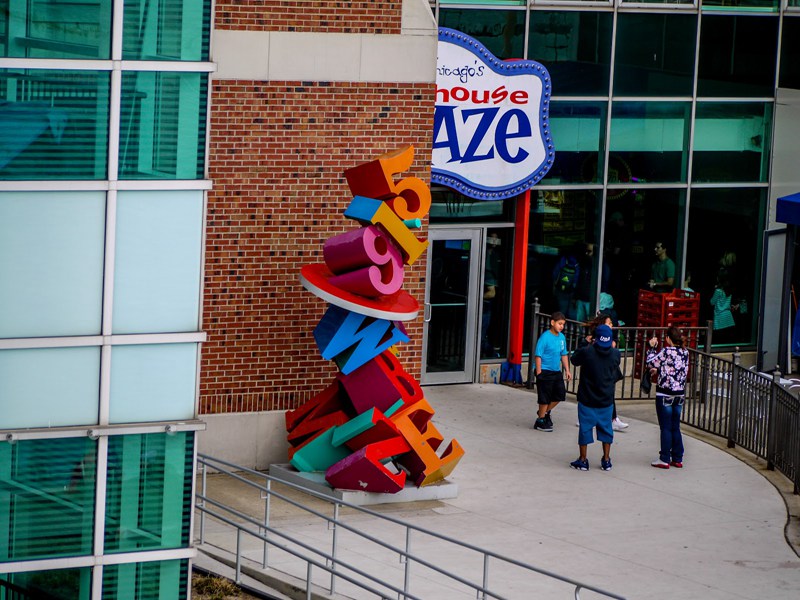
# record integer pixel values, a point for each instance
(678, 308)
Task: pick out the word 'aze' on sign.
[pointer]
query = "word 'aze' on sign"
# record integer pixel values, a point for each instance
(491, 136)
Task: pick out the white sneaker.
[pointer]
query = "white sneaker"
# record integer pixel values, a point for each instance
(618, 425)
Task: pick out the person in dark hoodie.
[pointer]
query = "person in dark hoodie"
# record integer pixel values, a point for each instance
(599, 362)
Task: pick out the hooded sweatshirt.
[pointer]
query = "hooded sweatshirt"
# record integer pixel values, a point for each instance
(599, 374)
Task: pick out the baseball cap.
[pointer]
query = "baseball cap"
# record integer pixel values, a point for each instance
(602, 336)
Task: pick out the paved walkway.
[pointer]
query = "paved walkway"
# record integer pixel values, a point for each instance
(712, 530)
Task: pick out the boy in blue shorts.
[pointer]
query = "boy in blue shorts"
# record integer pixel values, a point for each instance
(599, 363)
(551, 358)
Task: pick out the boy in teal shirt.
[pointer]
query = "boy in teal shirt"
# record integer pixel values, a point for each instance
(551, 359)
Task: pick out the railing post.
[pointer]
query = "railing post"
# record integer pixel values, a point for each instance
(334, 537)
(733, 401)
(772, 409)
(534, 340)
(238, 556)
(267, 504)
(308, 581)
(203, 468)
(407, 570)
(482, 595)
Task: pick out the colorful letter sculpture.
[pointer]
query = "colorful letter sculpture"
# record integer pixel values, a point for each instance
(371, 428)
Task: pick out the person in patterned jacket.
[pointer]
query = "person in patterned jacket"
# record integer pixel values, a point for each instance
(672, 363)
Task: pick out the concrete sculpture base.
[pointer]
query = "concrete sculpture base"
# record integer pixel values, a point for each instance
(316, 482)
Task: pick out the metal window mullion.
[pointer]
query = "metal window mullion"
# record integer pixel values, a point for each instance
(101, 481)
(114, 120)
(117, 26)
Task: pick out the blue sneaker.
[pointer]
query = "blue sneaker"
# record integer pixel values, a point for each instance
(605, 464)
(581, 465)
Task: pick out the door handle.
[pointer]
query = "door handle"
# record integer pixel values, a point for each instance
(426, 312)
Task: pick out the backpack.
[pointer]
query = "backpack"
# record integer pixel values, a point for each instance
(567, 279)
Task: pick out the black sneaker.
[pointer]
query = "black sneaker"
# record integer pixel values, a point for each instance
(541, 425)
(549, 421)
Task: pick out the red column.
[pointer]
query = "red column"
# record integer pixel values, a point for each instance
(512, 370)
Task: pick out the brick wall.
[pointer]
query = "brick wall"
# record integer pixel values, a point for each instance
(318, 16)
(277, 154)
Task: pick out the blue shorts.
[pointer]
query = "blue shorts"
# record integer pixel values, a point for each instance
(589, 418)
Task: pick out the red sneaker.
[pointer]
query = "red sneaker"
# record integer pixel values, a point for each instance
(676, 464)
(659, 464)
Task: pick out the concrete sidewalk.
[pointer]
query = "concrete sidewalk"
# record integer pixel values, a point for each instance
(712, 530)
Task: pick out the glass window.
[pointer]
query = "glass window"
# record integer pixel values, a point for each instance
(54, 284)
(151, 580)
(58, 583)
(576, 49)
(163, 121)
(153, 382)
(149, 492)
(157, 262)
(166, 30)
(732, 141)
(563, 229)
(790, 49)
(579, 131)
(638, 220)
(743, 5)
(501, 31)
(47, 492)
(498, 258)
(53, 118)
(55, 29)
(730, 63)
(649, 141)
(724, 251)
(654, 54)
(67, 395)
(448, 206)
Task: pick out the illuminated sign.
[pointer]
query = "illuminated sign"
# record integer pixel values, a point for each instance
(491, 135)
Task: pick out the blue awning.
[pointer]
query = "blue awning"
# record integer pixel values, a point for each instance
(788, 209)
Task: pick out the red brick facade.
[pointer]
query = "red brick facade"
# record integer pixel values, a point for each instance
(277, 154)
(318, 16)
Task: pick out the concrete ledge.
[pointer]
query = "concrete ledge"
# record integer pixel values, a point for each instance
(315, 482)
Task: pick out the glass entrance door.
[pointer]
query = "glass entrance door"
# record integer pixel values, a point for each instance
(451, 306)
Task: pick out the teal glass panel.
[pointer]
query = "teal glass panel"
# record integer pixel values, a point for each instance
(654, 54)
(501, 31)
(737, 56)
(75, 584)
(47, 493)
(163, 118)
(649, 141)
(724, 248)
(151, 580)
(149, 492)
(743, 5)
(49, 387)
(54, 284)
(166, 30)
(53, 124)
(732, 142)
(636, 220)
(790, 50)
(153, 382)
(576, 49)
(55, 29)
(448, 206)
(157, 262)
(578, 130)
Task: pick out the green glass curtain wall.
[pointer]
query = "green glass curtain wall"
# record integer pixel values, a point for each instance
(151, 580)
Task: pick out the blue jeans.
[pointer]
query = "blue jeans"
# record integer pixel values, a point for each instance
(668, 410)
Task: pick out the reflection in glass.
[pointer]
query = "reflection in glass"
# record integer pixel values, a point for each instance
(730, 64)
(732, 142)
(162, 133)
(75, 584)
(496, 292)
(448, 206)
(53, 118)
(649, 141)
(790, 49)
(654, 54)
(721, 222)
(55, 29)
(149, 491)
(166, 30)
(47, 493)
(578, 130)
(576, 49)
(151, 580)
(743, 5)
(501, 31)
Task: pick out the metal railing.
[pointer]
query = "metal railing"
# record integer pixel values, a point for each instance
(389, 582)
(756, 411)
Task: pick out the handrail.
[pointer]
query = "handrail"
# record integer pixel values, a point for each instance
(482, 590)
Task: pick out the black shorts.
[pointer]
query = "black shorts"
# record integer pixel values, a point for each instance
(550, 387)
